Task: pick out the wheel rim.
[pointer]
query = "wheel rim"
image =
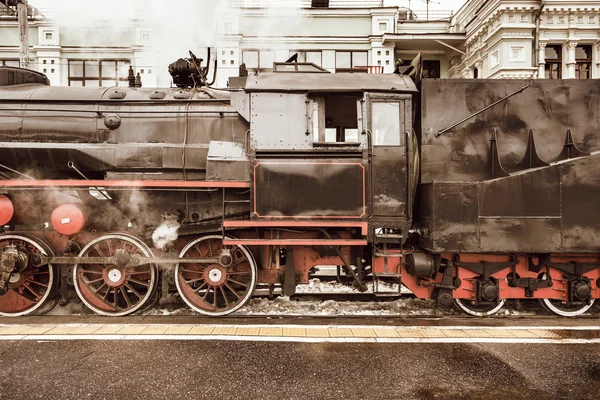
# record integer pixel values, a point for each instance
(212, 289)
(29, 290)
(479, 310)
(563, 309)
(566, 309)
(109, 289)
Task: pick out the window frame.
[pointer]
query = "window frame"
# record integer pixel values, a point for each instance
(579, 62)
(100, 77)
(352, 66)
(437, 68)
(549, 62)
(404, 116)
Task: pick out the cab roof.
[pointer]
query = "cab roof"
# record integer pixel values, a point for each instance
(324, 82)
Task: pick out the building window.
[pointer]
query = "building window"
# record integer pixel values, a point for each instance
(475, 73)
(495, 59)
(351, 59)
(553, 62)
(145, 36)
(261, 60)
(583, 66)
(315, 57)
(431, 69)
(228, 27)
(48, 35)
(383, 27)
(98, 73)
(9, 63)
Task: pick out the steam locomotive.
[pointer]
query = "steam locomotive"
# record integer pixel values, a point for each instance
(468, 192)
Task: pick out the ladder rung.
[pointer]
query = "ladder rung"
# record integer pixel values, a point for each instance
(398, 255)
(388, 236)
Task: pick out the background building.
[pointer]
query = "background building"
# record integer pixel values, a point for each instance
(483, 39)
(528, 39)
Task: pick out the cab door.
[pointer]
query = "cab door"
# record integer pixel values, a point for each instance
(389, 125)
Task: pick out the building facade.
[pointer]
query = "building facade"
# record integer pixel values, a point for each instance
(337, 35)
(553, 39)
(484, 39)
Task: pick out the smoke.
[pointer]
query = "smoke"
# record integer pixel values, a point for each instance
(165, 234)
(162, 31)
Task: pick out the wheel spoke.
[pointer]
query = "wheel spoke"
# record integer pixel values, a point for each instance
(193, 281)
(191, 271)
(33, 292)
(200, 287)
(237, 282)
(125, 296)
(135, 292)
(243, 273)
(37, 283)
(139, 282)
(232, 290)
(224, 296)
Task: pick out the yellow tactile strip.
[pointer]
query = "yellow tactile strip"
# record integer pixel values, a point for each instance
(294, 331)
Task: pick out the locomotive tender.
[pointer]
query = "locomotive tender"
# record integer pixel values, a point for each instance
(466, 191)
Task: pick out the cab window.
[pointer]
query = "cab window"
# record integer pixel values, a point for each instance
(386, 123)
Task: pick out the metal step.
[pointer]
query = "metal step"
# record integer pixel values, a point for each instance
(387, 275)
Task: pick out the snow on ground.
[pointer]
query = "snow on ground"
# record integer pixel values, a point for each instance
(315, 285)
(318, 307)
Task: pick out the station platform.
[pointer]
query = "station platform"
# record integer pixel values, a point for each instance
(309, 333)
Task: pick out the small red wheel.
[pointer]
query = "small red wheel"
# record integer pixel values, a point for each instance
(30, 288)
(113, 290)
(216, 289)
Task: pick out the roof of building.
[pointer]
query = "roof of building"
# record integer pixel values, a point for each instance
(319, 82)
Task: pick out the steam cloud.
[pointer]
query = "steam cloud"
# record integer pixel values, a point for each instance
(165, 234)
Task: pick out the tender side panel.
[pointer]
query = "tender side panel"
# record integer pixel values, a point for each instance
(309, 189)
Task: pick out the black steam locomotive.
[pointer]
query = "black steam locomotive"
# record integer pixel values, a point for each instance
(469, 192)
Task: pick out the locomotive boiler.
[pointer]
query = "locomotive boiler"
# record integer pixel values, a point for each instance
(469, 192)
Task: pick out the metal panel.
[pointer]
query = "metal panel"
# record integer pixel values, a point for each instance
(309, 189)
(524, 235)
(279, 121)
(549, 107)
(341, 82)
(581, 192)
(455, 216)
(534, 193)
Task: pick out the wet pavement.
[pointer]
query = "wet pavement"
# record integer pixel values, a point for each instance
(134, 367)
(269, 370)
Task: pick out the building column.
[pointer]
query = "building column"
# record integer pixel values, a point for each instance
(597, 72)
(571, 61)
(542, 60)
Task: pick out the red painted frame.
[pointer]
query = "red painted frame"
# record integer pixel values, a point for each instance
(304, 224)
(175, 184)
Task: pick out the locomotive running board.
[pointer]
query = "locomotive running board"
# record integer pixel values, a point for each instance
(297, 224)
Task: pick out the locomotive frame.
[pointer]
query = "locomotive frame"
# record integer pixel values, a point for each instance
(290, 170)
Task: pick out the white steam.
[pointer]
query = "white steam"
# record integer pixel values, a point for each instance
(165, 234)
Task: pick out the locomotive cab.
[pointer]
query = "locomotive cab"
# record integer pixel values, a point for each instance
(331, 146)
